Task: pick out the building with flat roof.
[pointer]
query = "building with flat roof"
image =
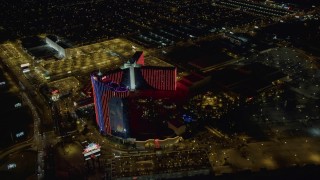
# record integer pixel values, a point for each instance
(58, 44)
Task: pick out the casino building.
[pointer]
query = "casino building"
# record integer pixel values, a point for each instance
(112, 90)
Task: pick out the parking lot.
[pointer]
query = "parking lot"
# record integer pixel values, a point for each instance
(106, 55)
(166, 162)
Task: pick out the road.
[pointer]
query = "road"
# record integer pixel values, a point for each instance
(15, 148)
(13, 69)
(38, 139)
(38, 106)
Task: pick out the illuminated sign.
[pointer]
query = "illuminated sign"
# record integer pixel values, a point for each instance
(91, 147)
(91, 151)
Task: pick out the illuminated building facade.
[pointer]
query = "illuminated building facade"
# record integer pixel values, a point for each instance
(111, 90)
(91, 151)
